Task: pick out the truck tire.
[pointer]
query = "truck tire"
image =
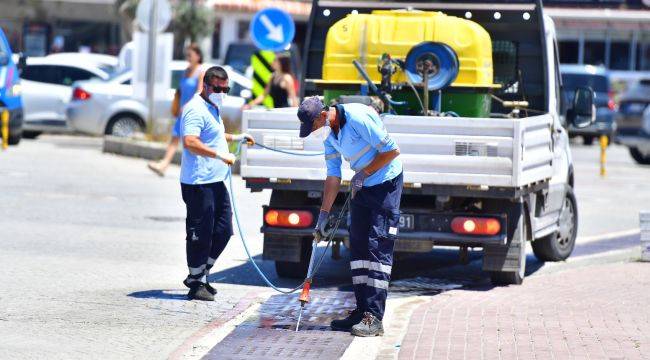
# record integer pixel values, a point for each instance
(509, 258)
(296, 270)
(639, 157)
(559, 245)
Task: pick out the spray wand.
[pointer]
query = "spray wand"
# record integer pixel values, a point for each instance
(304, 295)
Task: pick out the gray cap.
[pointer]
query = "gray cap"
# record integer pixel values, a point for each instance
(310, 108)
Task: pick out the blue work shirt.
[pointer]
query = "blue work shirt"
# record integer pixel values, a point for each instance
(200, 118)
(361, 138)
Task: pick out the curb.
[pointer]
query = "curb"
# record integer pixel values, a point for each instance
(143, 149)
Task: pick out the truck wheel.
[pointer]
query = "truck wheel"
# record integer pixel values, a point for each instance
(296, 270)
(510, 259)
(639, 157)
(587, 140)
(559, 245)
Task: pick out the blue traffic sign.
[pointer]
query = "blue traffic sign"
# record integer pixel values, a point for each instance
(272, 29)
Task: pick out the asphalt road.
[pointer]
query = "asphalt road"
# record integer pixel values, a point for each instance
(92, 249)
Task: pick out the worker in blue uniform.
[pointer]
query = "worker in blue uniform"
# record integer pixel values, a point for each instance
(356, 133)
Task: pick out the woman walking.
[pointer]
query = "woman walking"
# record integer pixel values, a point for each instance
(189, 85)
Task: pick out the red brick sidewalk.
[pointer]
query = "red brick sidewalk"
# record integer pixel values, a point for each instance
(598, 312)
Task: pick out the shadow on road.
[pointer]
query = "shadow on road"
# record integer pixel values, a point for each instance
(160, 294)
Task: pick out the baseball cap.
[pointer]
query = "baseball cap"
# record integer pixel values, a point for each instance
(307, 112)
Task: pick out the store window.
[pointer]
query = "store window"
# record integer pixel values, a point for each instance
(569, 52)
(594, 53)
(619, 56)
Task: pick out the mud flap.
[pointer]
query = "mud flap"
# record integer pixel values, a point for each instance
(510, 257)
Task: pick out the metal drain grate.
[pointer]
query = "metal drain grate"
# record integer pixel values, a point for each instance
(281, 311)
(252, 343)
(420, 286)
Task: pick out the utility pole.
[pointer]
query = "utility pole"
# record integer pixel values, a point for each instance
(151, 65)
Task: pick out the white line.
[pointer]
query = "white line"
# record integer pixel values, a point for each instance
(607, 236)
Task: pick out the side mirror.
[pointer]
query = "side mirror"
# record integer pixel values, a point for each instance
(583, 111)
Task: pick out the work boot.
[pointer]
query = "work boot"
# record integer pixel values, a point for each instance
(370, 325)
(199, 292)
(354, 317)
(208, 287)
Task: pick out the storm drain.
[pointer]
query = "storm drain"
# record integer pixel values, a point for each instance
(269, 334)
(248, 342)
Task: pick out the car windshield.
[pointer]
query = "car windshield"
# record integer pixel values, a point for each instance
(597, 82)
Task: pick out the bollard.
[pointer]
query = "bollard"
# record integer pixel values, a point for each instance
(4, 119)
(603, 155)
(644, 224)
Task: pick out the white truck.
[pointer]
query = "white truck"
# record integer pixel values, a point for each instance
(494, 183)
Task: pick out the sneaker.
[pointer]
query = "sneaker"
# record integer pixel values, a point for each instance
(354, 317)
(208, 287)
(370, 325)
(199, 292)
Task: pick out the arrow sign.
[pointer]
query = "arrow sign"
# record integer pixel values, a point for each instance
(275, 32)
(272, 29)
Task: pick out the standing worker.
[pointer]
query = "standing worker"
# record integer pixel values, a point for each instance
(356, 132)
(281, 87)
(204, 167)
(189, 85)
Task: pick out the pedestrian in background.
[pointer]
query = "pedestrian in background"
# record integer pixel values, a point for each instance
(281, 87)
(189, 85)
(204, 167)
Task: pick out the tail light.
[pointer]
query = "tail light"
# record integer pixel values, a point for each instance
(288, 218)
(80, 94)
(611, 104)
(475, 226)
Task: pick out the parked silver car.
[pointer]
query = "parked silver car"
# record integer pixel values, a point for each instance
(108, 107)
(46, 90)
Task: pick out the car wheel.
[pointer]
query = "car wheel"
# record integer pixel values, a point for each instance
(14, 139)
(639, 157)
(559, 245)
(124, 126)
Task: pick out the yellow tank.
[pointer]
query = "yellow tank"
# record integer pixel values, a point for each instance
(365, 37)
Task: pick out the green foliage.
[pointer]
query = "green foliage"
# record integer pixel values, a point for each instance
(192, 20)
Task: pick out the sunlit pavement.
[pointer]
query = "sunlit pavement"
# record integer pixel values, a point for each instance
(92, 248)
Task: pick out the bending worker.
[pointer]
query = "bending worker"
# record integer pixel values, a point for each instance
(204, 167)
(356, 132)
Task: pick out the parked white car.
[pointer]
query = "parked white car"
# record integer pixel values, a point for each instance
(108, 107)
(46, 90)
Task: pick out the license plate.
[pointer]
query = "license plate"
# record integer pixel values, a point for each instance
(406, 222)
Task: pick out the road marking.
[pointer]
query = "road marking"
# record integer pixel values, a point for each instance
(607, 236)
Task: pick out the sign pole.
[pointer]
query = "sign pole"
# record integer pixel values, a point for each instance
(151, 64)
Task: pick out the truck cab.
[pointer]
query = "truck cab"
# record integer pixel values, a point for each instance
(10, 99)
(490, 167)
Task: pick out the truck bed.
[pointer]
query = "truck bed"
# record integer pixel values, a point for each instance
(482, 152)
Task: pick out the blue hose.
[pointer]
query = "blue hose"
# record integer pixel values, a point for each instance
(241, 233)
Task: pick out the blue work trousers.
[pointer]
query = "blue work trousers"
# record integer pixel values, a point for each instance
(374, 227)
(208, 226)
